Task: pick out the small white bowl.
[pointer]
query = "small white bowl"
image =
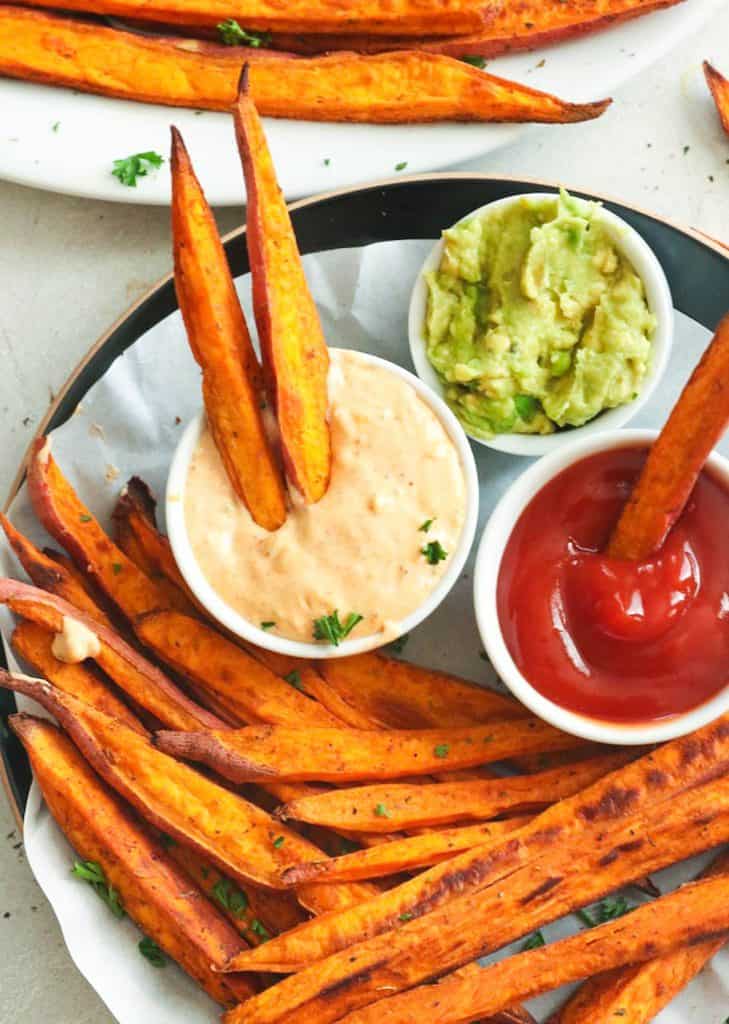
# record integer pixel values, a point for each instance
(244, 628)
(658, 295)
(488, 566)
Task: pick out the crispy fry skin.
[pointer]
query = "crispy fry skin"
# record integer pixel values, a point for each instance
(68, 520)
(393, 88)
(380, 17)
(353, 755)
(719, 87)
(397, 695)
(294, 351)
(139, 678)
(135, 522)
(243, 685)
(473, 925)
(382, 808)
(50, 574)
(218, 337)
(520, 25)
(653, 779)
(677, 456)
(33, 643)
(682, 919)
(153, 891)
(406, 854)
(221, 826)
(638, 993)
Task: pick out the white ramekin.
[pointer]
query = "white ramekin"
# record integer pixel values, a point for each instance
(244, 628)
(658, 295)
(488, 565)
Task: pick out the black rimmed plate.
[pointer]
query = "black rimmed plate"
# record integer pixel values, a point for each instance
(697, 270)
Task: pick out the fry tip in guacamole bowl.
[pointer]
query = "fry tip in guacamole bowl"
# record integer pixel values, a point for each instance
(541, 318)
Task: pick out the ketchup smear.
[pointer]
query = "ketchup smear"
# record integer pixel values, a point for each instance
(617, 640)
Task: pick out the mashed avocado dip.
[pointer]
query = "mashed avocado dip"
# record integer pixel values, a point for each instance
(535, 321)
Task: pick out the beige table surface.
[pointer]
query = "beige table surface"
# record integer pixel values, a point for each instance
(70, 267)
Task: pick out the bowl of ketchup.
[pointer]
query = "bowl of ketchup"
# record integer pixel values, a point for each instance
(614, 651)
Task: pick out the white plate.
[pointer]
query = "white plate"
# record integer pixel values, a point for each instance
(94, 131)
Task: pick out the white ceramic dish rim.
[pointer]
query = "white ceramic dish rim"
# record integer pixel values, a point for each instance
(494, 539)
(242, 627)
(658, 294)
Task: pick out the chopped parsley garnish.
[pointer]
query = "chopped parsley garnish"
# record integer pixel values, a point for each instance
(92, 872)
(279, 841)
(327, 161)
(233, 35)
(151, 951)
(407, 915)
(424, 527)
(329, 627)
(137, 165)
(434, 552)
(401, 166)
(55, 126)
(476, 61)
(533, 942)
(398, 646)
(441, 750)
(526, 407)
(116, 568)
(167, 841)
(347, 846)
(85, 519)
(381, 811)
(230, 897)
(268, 625)
(607, 910)
(293, 678)
(260, 929)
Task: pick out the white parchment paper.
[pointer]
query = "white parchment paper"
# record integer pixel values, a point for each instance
(129, 423)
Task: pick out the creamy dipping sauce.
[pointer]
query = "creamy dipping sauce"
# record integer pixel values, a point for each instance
(397, 488)
(75, 643)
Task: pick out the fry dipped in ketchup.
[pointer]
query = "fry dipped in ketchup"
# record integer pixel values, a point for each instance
(614, 586)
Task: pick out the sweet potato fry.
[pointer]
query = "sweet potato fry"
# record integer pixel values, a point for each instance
(651, 781)
(240, 839)
(382, 807)
(33, 643)
(379, 17)
(524, 25)
(391, 88)
(68, 520)
(241, 684)
(677, 456)
(719, 87)
(397, 695)
(50, 574)
(152, 890)
(353, 755)
(692, 915)
(218, 336)
(641, 992)
(294, 351)
(472, 925)
(136, 533)
(406, 854)
(133, 673)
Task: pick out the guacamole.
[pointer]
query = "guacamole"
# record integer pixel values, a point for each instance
(535, 321)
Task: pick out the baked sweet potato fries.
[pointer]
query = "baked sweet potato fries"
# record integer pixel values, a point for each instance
(389, 88)
(719, 88)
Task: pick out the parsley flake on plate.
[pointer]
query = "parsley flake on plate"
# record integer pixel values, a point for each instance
(434, 552)
(138, 165)
(533, 942)
(230, 897)
(381, 811)
(151, 951)
(441, 750)
(92, 872)
(474, 60)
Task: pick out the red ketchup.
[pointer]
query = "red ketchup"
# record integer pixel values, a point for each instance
(616, 640)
